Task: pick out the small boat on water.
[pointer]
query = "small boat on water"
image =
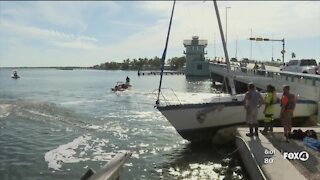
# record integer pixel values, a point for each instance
(15, 75)
(121, 86)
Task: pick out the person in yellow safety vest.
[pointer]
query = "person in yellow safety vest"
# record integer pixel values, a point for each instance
(270, 99)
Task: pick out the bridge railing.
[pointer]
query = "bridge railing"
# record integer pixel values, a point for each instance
(308, 79)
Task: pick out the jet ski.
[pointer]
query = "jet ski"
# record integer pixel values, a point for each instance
(15, 75)
(121, 86)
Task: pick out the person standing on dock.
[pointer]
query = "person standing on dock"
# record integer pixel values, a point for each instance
(269, 99)
(263, 69)
(288, 103)
(252, 102)
(255, 67)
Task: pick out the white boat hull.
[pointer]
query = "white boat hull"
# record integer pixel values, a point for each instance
(196, 122)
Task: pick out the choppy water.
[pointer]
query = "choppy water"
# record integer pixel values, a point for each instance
(56, 124)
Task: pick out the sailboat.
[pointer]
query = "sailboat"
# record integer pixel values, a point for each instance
(201, 121)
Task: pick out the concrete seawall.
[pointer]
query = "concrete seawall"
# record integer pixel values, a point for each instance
(263, 156)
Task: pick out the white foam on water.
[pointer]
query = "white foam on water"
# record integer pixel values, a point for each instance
(195, 171)
(39, 113)
(5, 110)
(135, 155)
(142, 114)
(55, 130)
(115, 128)
(76, 102)
(68, 129)
(95, 127)
(65, 153)
(83, 148)
(143, 145)
(118, 130)
(128, 164)
(99, 154)
(72, 102)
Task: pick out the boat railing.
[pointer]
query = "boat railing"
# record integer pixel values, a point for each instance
(168, 96)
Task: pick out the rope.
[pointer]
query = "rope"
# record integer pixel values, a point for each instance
(231, 153)
(164, 53)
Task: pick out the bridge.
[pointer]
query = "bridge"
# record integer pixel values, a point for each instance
(303, 85)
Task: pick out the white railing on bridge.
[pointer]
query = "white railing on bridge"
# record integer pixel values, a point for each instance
(300, 81)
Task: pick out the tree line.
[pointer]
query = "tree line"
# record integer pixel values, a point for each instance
(175, 63)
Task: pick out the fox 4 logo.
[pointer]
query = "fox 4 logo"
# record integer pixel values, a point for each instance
(302, 156)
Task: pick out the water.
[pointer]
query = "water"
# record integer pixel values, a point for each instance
(55, 124)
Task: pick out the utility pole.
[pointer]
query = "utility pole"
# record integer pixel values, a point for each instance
(283, 51)
(236, 48)
(251, 45)
(227, 25)
(214, 44)
(272, 49)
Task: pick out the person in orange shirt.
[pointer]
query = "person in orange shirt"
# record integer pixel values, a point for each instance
(288, 103)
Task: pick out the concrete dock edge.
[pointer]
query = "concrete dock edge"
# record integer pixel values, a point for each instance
(262, 160)
(248, 160)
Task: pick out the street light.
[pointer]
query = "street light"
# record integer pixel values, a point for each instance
(227, 25)
(267, 39)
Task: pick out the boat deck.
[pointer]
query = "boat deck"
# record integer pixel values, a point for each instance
(263, 156)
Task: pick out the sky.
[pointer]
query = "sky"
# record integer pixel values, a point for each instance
(86, 33)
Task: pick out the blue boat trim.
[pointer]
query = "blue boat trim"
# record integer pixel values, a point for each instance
(228, 103)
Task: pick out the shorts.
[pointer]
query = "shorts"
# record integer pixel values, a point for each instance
(252, 115)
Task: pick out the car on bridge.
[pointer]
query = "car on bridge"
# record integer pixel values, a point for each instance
(245, 60)
(308, 66)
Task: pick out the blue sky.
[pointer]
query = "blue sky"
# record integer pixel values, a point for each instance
(85, 33)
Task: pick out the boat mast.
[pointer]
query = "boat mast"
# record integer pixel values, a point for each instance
(230, 78)
(163, 58)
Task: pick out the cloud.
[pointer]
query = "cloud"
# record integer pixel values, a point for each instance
(64, 14)
(48, 36)
(96, 32)
(283, 19)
